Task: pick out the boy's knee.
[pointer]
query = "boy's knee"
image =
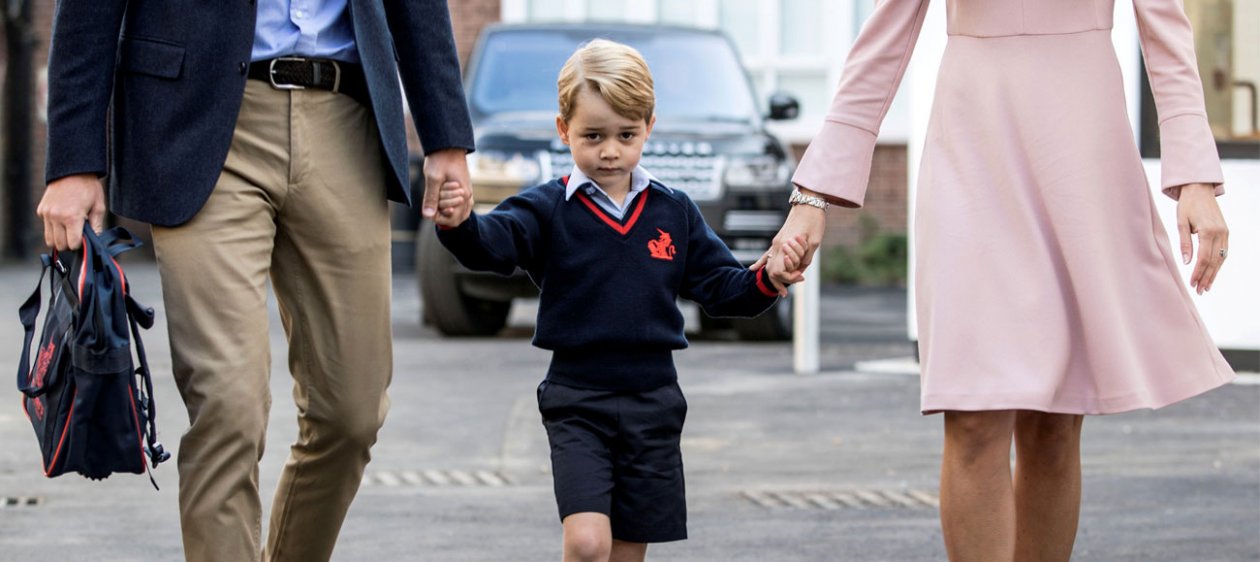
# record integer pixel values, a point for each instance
(585, 542)
(588, 548)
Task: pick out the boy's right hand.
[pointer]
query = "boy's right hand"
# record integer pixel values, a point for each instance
(442, 168)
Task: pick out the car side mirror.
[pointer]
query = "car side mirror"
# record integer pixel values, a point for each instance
(783, 106)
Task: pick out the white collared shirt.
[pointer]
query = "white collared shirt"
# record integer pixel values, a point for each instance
(639, 181)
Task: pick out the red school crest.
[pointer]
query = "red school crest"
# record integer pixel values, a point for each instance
(662, 248)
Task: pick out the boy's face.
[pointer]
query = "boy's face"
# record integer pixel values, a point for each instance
(606, 146)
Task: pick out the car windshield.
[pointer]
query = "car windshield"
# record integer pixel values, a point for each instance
(696, 75)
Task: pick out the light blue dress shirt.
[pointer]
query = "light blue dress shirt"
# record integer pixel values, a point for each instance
(308, 28)
(639, 181)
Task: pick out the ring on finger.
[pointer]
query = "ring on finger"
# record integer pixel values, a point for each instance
(1224, 252)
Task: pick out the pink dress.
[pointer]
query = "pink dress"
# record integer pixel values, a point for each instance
(1045, 279)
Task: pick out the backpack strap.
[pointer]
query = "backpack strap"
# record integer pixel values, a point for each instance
(137, 316)
(28, 312)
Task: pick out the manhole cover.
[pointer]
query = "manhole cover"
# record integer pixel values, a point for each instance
(20, 501)
(842, 499)
(436, 478)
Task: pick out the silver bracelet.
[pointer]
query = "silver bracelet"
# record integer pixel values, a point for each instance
(798, 198)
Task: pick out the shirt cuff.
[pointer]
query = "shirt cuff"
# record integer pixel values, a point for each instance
(764, 287)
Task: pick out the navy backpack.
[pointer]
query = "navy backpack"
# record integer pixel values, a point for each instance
(91, 407)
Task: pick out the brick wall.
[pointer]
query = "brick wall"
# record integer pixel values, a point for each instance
(886, 199)
(468, 17)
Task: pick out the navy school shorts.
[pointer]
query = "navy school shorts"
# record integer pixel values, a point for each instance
(617, 453)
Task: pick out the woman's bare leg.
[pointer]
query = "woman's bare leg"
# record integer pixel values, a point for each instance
(977, 501)
(1047, 485)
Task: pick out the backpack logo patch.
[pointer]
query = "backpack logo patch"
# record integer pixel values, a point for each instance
(662, 248)
(42, 362)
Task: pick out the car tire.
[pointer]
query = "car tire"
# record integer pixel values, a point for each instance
(773, 325)
(444, 305)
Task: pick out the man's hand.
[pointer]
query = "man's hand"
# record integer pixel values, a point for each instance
(1198, 213)
(66, 204)
(447, 188)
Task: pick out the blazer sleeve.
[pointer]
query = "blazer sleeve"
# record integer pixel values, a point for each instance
(81, 59)
(1186, 145)
(838, 161)
(429, 66)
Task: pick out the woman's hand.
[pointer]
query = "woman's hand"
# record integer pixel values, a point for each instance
(805, 225)
(1197, 213)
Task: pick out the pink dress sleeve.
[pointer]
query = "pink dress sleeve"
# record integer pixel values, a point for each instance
(1187, 147)
(838, 160)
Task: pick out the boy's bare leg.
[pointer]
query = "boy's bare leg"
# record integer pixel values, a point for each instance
(623, 551)
(1047, 485)
(587, 537)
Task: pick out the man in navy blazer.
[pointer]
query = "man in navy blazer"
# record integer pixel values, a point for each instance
(261, 139)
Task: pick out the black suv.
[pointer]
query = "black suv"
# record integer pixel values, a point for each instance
(709, 141)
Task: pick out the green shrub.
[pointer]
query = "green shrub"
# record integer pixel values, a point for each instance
(881, 259)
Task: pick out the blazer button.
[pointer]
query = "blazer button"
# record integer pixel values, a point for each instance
(244, 68)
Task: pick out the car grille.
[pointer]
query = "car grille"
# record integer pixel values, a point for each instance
(688, 166)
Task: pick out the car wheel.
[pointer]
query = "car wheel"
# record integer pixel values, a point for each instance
(444, 305)
(773, 325)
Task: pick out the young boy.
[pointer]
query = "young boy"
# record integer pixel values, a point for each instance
(612, 249)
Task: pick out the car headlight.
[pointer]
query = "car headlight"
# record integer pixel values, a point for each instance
(756, 172)
(513, 169)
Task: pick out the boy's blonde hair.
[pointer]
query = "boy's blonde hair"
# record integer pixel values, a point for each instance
(616, 72)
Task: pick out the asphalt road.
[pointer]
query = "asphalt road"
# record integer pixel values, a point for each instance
(780, 467)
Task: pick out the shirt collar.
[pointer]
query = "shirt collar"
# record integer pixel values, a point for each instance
(640, 178)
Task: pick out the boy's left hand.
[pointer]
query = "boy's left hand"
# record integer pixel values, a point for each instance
(792, 255)
(455, 203)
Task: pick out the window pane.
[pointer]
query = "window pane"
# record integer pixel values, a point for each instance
(546, 10)
(605, 10)
(738, 18)
(800, 24)
(861, 11)
(678, 12)
(810, 90)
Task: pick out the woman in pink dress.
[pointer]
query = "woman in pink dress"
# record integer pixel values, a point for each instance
(1046, 285)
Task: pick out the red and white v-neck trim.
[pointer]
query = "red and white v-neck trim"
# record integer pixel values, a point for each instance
(612, 223)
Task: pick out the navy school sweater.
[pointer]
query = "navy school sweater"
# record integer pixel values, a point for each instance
(608, 304)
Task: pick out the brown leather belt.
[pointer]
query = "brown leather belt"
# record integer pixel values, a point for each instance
(300, 73)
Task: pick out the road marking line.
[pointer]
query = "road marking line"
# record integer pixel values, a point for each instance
(436, 477)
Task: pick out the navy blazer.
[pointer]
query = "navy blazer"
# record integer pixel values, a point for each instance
(170, 76)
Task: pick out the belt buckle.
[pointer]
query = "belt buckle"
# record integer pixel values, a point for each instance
(271, 73)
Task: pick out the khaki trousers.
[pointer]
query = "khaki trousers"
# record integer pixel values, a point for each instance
(301, 201)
